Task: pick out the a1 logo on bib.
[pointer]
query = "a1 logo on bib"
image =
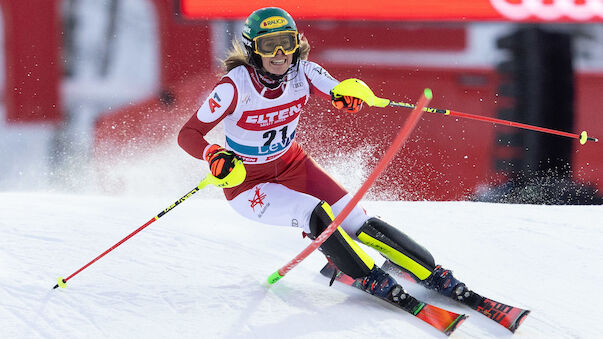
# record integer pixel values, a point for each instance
(213, 104)
(217, 103)
(274, 22)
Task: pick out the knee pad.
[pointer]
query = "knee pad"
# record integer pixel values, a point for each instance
(339, 247)
(397, 247)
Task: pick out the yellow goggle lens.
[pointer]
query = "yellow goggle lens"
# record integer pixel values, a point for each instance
(268, 45)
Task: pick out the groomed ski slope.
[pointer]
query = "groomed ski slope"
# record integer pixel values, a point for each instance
(199, 271)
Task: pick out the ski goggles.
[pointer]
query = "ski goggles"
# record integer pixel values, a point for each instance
(267, 45)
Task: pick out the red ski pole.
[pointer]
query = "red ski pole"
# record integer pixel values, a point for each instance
(234, 178)
(357, 88)
(405, 131)
(582, 137)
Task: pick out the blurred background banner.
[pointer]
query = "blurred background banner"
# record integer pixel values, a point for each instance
(94, 93)
(425, 10)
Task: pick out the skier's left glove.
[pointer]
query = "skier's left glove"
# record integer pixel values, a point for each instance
(348, 103)
(221, 161)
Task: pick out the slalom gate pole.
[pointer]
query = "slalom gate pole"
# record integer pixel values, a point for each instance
(357, 88)
(405, 131)
(209, 179)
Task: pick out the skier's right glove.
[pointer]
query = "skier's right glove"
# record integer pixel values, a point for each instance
(221, 161)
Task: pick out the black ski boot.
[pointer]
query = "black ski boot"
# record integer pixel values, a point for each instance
(442, 281)
(382, 285)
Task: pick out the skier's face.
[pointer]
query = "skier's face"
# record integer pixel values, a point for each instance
(278, 64)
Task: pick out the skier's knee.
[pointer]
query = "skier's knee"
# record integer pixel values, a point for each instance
(397, 247)
(339, 247)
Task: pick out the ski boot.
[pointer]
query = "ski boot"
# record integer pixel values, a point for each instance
(382, 285)
(442, 281)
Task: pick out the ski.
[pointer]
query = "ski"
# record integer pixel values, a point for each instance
(441, 319)
(508, 316)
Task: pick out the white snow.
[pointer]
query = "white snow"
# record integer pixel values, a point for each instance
(199, 271)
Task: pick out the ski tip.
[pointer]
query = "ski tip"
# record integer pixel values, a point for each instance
(519, 321)
(455, 324)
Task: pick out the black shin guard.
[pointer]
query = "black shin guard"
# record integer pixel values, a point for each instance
(397, 247)
(339, 247)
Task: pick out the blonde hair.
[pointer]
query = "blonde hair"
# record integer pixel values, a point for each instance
(237, 55)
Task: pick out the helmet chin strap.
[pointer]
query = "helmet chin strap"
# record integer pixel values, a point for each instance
(271, 80)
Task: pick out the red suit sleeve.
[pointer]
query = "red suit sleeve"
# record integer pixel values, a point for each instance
(221, 102)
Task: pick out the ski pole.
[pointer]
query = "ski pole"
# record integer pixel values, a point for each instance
(405, 131)
(359, 89)
(582, 137)
(234, 178)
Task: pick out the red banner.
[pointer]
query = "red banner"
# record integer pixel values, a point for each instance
(417, 10)
(32, 63)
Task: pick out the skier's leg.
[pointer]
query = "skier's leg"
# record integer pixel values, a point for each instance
(275, 204)
(308, 177)
(355, 219)
(339, 247)
(397, 247)
(404, 252)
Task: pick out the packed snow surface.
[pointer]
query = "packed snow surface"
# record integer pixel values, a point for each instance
(199, 271)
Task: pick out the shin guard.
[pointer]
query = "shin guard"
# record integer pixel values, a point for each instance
(397, 247)
(339, 247)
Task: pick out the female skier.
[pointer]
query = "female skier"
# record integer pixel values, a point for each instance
(259, 99)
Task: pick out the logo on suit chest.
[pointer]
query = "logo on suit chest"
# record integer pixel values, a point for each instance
(262, 119)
